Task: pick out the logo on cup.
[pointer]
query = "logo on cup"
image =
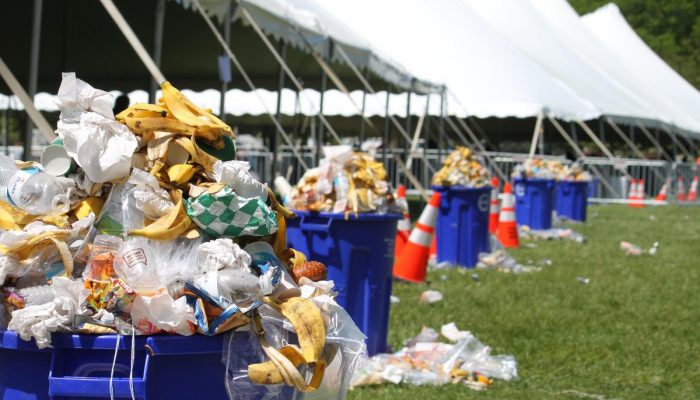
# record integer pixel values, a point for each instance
(520, 190)
(483, 202)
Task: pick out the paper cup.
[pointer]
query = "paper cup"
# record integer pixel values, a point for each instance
(177, 154)
(56, 160)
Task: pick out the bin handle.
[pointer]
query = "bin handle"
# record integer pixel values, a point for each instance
(310, 226)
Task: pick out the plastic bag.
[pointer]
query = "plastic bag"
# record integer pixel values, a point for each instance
(148, 196)
(136, 265)
(153, 314)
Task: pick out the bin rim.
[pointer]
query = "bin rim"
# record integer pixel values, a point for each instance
(460, 188)
(535, 180)
(570, 181)
(351, 216)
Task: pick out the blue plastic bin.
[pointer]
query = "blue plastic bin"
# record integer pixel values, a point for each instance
(572, 200)
(462, 224)
(359, 254)
(593, 188)
(534, 202)
(78, 366)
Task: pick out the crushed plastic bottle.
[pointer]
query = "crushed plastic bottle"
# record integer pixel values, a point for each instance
(31, 190)
(341, 184)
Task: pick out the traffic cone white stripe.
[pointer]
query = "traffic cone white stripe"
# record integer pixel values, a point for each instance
(421, 237)
(405, 223)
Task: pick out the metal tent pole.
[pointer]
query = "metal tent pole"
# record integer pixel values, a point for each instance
(278, 114)
(33, 75)
(362, 120)
(631, 144)
(426, 139)
(535, 135)
(654, 139)
(227, 39)
(385, 141)
(407, 123)
(157, 46)
(321, 133)
(441, 125)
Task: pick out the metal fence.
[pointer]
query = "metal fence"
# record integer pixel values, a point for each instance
(424, 163)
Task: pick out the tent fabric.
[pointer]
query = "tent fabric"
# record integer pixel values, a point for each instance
(239, 103)
(609, 25)
(567, 23)
(304, 24)
(444, 41)
(529, 30)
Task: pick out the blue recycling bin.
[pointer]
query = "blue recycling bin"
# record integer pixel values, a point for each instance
(165, 367)
(534, 202)
(462, 224)
(359, 254)
(572, 200)
(593, 188)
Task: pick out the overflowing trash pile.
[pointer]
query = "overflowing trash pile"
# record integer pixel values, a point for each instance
(550, 169)
(157, 229)
(462, 168)
(344, 182)
(426, 361)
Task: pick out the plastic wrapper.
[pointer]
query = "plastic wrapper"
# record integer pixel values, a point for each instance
(226, 214)
(430, 297)
(425, 361)
(148, 196)
(633, 250)
(462, 168)
(40, 321)
(574, 172)
(136, 265)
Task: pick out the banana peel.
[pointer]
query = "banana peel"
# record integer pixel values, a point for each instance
(171, 225)
(283, 365)
(181, 173)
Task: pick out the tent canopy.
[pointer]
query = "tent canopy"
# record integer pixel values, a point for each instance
(609, 25)
(566, 22)
(444, 41)
(79, 36)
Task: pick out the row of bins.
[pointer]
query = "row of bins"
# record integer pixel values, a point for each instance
(359, 253)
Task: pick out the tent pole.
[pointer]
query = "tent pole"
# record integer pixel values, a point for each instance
(278, 114)
(34, 114)
(284, 65)
(426, 140)
(133, 40)
(600, 144)
(572, 128)
(541, 144)
(406, 144)
(320, 133)
(157, 46)
(675, 140)
(248, 81)
(362, 120)
(414, 141)
(441, 125)
(654, 141)
(385, 140)
(369, 88)
(227, 39)
(633, 134)
(33, 75)
(631, 144)
(582, 155)
(535, 135)
(601, 128)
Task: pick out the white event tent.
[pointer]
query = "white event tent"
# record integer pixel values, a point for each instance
(444, 41)
(610, 26)
(569, 28)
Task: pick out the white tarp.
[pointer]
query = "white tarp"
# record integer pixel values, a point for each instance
(610, 26)
(303, 23)
(444, 41)
(524, 26)
(239, 103)
(574, 33)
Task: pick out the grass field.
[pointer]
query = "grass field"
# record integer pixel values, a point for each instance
(632, 333)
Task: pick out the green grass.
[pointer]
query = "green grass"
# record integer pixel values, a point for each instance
(632, 333)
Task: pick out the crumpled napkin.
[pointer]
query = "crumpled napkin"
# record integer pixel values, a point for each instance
(236, 175)
(101, 146)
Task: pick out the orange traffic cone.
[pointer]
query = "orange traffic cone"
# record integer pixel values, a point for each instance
(632, 194)
(412, 264)
(493, 211)
(693, 192)
(664, 191)
(404, 227)
(507, 231)
(680, 194)
(639, 201)
(433, 246)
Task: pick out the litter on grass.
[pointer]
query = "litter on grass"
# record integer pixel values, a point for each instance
(633, 250)
(426, 361)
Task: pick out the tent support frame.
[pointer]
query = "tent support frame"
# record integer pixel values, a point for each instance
(158, 24)
(33, 75)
